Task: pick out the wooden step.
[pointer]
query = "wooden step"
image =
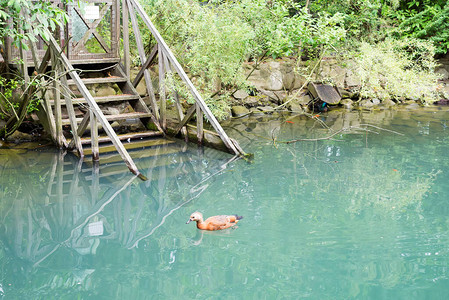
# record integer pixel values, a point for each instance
(104, 99)
(110, 79)
(115, 162)
(123, 137)
(157, 154)
(131, 145)
(131, 115)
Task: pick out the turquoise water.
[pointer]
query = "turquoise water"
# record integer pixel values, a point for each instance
(363, 215)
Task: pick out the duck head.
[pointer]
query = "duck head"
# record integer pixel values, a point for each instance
(196, 216)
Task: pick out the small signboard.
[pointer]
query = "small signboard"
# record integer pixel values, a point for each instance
(95, 228)
(92, 12)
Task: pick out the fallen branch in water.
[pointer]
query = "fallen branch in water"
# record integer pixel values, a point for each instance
(344, 129)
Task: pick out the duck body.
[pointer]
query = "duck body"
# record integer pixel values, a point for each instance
(215, 222)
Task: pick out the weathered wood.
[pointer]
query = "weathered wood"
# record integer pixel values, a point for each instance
(199, 124)
(325, 92)
(126, 56)
(123, 137)
(162, 96)
(72, 116)
(45, 61)
(92, 29)
(95, 108)
(81, 128)
(185, 119)
(112, 80)
(180, 113)
(145, 66)
(140, 104)
(146, 72)
(57, 101)
(104, 99)
(184, 77)
(94, 136)
(51, 119)
(123, 116)
(23, 57)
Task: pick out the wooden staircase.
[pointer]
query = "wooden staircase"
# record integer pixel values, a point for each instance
(75, 105)
(121, 93)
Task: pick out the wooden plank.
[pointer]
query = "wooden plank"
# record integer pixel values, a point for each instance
(162, 96)
(57, 101)
(95, 108)
(199, 124)
(92, 29)
(108, 160)
(110, 118)
(185, 119)
(83, 125)
(44, 62)
(180, 113)
(185, 78)
(141, 50)
(145, 66)
(51, 118)
(140, 104)
(113, 79)
(125, 21)
(105, 99)
(94, 137)
(126, 136)
(131, 145)
(72, 116)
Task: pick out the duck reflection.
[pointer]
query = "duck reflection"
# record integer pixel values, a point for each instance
(74, 207)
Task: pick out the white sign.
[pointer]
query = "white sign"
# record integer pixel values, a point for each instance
(95, 228)
(92, 12)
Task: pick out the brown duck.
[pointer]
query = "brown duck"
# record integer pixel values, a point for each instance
(215, 222)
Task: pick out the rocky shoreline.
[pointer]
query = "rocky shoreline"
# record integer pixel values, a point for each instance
(276, 86)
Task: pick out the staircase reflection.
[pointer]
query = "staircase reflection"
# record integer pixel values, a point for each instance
(85, 204)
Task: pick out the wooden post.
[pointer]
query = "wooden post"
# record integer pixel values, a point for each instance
(94, 136)
(141, 50)
(178, 105)
(162, 96)
(199, 124)
(72, 116)
(23, 56)
(125, 18)
(81, 128)
(57, 100)
(226, 140)
(145, 66)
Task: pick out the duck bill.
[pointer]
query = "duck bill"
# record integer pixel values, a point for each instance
(188, 221)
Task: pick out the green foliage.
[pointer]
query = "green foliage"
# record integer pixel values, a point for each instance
(212, 40)
(28, 20)
(284, 28)
(427, 20)
(398, 69)
(23, 21)
(7, 106)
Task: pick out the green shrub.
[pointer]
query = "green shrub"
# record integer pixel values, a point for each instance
(212, 40)
(398, 69)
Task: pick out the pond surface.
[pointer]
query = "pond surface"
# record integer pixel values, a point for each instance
(364, 215)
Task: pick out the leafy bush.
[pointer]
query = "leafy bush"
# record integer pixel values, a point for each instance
(41, 14)
(212, 40)
(425, 20)
(398, 69)
(23, 21)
